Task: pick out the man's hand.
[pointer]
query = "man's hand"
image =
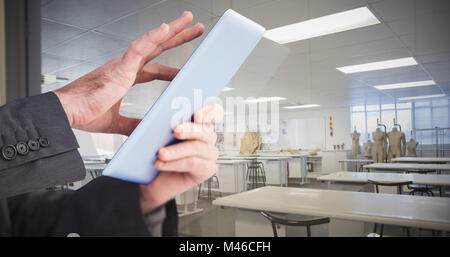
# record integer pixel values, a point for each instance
(186, 164)
(92, 102)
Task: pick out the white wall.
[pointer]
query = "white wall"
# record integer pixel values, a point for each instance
(98, 143)
(341, 123)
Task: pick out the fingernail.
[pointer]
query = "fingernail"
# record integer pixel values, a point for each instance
(164, 152)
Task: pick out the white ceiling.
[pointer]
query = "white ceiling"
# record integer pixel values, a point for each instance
(80, 35)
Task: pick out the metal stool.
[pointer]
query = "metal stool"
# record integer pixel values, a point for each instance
(256, 174)
(420, 189)
(209, 187)
(399, 186)
(298, 223)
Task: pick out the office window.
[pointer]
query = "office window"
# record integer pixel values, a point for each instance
(358, 121)
(404, 119)
(372, 118)
(387, 118)
(427, 116)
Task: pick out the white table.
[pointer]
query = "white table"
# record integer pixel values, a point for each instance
(236, 164)
(422, 159)
(282, 159)
(406, 167)
(364, 177)
(348, 210)
(361, 162)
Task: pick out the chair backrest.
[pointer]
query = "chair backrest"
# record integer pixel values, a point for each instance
(399, 185)
(299, 223)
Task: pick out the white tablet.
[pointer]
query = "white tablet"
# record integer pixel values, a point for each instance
(210, 68)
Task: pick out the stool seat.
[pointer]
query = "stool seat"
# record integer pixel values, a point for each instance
(420, 189)
(298, 223)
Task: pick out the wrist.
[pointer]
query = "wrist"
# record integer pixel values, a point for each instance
(147, 201)
(65, 104)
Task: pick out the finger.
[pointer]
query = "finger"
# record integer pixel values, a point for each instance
(193, 131)
(190, 164)
(183, 37)
(179, 39)
(154, 71)
(139, 52)
(208, 114)
(188, 148)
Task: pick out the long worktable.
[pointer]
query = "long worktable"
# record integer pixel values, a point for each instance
(281, 158)
(357, 162)
(422, 159)
(349, 211)
(407, 167)
(364, 177)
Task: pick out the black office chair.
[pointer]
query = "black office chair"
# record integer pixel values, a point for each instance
(399, 186)
(298, 223)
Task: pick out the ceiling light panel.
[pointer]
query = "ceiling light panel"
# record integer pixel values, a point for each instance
(420, 97)
(338, 22)
(301, 106)
(406, 85)
(372, 66)
(265, 99)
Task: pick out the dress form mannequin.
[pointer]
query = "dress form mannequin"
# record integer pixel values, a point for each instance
(411, 146)
(356, 148)
(397, 144)
(379, 145)
(368, 148)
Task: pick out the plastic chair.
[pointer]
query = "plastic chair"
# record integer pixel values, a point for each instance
(297, 223)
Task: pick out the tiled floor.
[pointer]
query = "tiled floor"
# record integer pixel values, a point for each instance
(215, 221)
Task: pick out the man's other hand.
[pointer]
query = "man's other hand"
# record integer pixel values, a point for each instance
(92, 102)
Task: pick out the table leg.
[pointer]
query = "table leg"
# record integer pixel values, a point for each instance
(244, 178)
(303, 170)
(209, 189)
(281, 172)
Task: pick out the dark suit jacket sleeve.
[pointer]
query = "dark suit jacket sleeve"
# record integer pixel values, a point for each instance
(104, 207)
(37, 146)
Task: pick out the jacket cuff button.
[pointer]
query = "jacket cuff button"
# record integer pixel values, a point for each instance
(43, 141)
(9, 152)
(33, 144)
(22, 148)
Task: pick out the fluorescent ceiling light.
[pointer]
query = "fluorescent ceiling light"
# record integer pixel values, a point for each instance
(228, 89)
(301, 106)
(407, 84)
(419, 97)
(265, 99)
(389, 64)
(342, 21)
